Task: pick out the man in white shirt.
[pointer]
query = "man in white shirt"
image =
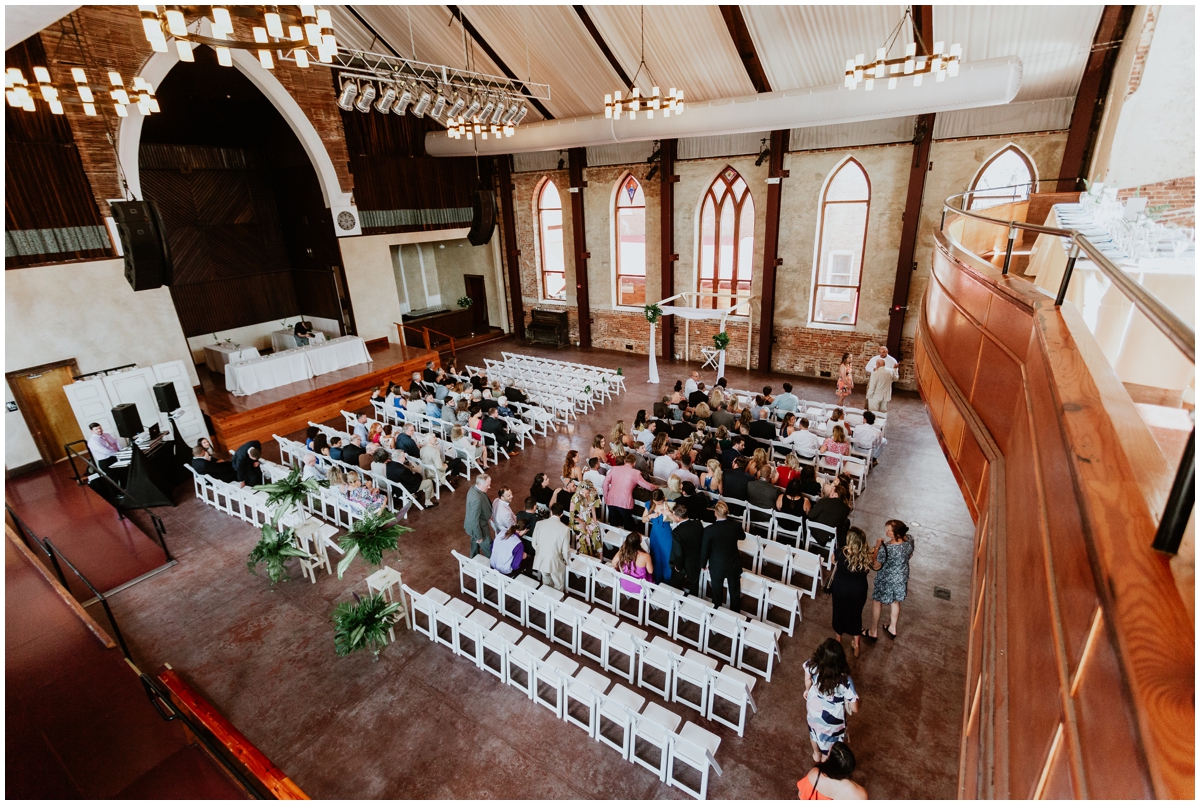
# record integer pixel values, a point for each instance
(104, 446)
(883, 358)
(503, 518)
(312, 470)
(593, 473)
(360, 428)
(665, 464)
(691, 384)
(804, 441)
(684, 471)
(869, 438)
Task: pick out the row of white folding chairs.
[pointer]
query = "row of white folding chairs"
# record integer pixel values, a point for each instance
(598, 583)
(570, 622)
(439, 479)
(555, 681)
(292, 455)
(424, 424)
(327, 502)
(594, 386)
(617, 378)
(582, 400)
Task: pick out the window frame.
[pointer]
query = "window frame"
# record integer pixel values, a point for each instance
(738, 208)
(1029, 165)
(817, 285)
(616, 243)
(543, 296)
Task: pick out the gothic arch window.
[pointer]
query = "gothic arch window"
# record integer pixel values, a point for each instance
(1008, 176)
(726, 243)
(552, 274)
(629, 259)
(841, 241)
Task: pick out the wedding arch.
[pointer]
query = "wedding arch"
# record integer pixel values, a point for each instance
(688, 311)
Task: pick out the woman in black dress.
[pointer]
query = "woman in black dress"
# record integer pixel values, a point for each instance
(849, 589)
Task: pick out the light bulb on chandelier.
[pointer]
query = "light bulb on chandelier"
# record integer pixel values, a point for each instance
(939, 63)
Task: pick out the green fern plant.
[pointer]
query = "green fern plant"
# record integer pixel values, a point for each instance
(652, 312)
(362, 624)
(274, 548)
(370, 536)
(721, 340)
(291, 492)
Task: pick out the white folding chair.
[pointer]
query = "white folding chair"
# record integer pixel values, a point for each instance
(619, 709)
(660, 608)
(550, 681)
(655, 726)
(758, 521)
(568, 618)
(579, 577)
(773, 555)
(780, 598)
(472, 631)
(593, 634)
(696, 748)
(516, 592)
(623, 644)
(632, 603)
(491, 587)
(692, 669)
(660, 655)
(586, 691)
(382, 581)
(497, 642)
(521, 663)
(605, 584)
(804, 571)
(421, 605)
(446, 621)
(723, 626)
(821, 540)
(539, 609)
(789, 530)
(733, 687)
(754, 590)
(760, 638)
(691, 611)
(472, 571)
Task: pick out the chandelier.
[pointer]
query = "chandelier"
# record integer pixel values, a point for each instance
(615, 105)
(939, 63)
(470, 104)
(286, 29)
(21, 94)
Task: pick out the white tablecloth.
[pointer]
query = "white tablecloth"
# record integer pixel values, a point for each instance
(294, 365)
(286, 339)
(217, 356)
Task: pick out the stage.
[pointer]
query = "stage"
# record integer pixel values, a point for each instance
(286, 409)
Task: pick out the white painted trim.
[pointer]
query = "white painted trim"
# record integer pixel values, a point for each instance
(129, 131)
(405, 305)
(498, 271)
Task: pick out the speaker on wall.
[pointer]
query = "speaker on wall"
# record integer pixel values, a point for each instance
(168, 400)
(129, 422)
(147, 258)
(483, 217)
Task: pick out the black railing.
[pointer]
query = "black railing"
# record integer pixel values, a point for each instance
(1182, 496)
(160, 530)
(57, 560)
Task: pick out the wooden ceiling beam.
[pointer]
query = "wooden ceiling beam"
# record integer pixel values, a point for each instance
(581, 12)
(456, 12)
(744, 43)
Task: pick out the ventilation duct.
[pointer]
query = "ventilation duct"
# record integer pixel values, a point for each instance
(986, 83)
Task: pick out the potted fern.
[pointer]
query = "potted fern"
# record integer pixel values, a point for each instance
(370, 536)
(289, 493)
(274, 548)
(363, 624)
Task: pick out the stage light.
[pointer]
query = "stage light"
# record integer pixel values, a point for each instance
(423, 104)
(401, 104)
(499, 113)
(459, 103)
(346, 98)
(439, 106)
(384, 104)
(365, 96)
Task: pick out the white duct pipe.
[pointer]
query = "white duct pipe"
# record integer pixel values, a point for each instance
(987, 83)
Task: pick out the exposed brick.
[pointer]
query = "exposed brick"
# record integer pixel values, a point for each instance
(1143, 50)
(1180, 194)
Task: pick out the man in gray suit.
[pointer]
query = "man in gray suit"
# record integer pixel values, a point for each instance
(479, 514)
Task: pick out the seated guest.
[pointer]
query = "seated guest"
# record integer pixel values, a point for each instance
(369, 457)
(646, 434)
(869, 438)
(360, 429)
(502, 408)
(365, 495)
(449, 414)
(432, 375)
(767, 395)
(806, 443)
(397, 471)
(352, 451)
(374, 434)
(593, 473)
(416, 389)
(508, 551)
(378, 459)
(788, 470)
(712, 476)
(698, 396)
(721, 418)
(762, 428)
(487, 402)
(564, 494)
(303, 331)
(312, 470)
(736, 444)
(245, 463)
(529, 515)
(690, 385)
(696, 502)
(787, 401)
(381, 393)
(416, 405)
(503, 518)
(540, 491)
(203, 464)
(498, 429)
(736, 480)
(446, 455)
(466, 446)
(757, 406)
(665, 464)
(514, 394)
(833, 509)
(760, 491)
(835, 446)
(682, 430)
(433, 410)
(407, 441)
(309, 435)
(684, 471)
(337, 480)
(642, 460)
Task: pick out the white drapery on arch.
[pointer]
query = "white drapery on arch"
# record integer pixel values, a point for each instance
(689, 312)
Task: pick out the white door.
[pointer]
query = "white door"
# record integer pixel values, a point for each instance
(189, 419)
(136, 386)
(89, 400)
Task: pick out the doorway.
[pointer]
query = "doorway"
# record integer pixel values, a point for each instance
(477, 290)
(38, 392)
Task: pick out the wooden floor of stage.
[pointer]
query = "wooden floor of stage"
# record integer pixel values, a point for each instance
(286, 409)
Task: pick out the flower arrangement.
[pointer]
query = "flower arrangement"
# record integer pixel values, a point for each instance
(227, 342)
(363, 624)
(465, 302)
(721, 340)
(652, 313)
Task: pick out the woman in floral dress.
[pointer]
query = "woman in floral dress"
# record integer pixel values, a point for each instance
(584, 520)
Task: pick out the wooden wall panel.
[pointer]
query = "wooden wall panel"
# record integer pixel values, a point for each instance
(207, 307)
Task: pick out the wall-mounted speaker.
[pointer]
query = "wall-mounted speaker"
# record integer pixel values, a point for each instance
(168, 400)
(129, 422)
(483, 217)
(147, 258)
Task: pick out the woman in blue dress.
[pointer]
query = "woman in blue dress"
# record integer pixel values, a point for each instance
(659, 530)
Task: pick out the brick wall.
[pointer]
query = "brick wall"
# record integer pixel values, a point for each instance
(1143, 49)
(113, 40)
(1180, 194)
(808, 351)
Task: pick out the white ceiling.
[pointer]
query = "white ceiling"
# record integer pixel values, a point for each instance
(689, 47)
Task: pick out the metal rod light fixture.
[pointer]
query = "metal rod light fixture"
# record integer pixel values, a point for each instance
(615, 105)
(287, 29)
(20, 93)
(939, 63)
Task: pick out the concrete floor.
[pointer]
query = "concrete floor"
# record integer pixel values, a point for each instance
(422, 723)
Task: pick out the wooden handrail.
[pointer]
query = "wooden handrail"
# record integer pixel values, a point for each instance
(425, 340)
(256, 764)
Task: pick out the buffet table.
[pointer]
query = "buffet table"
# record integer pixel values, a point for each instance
(218, 356)
(294, 365)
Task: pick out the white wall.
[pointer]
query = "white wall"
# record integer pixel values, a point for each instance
(259, 335)
(88, 312)
(1155, 138)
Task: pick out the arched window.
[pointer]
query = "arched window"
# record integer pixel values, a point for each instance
(629, 262)
(841, 239)
(550, 243)
(726, 243)
(1008, 176)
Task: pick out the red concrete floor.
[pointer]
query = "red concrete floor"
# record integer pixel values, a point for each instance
(422, 723)
(77, 722)
(108, 550)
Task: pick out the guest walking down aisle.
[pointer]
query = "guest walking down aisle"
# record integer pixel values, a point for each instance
(892, 556)
(829, 696)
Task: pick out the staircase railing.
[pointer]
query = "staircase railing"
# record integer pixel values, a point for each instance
(426, 341)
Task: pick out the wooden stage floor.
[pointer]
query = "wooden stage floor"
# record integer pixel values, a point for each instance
(289, 408)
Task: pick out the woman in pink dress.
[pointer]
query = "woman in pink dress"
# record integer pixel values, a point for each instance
(836, 445)
(845, 382)
(631, 560)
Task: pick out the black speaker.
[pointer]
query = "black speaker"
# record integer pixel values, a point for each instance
(483, 217)
(129, 423)
(168, 400)
(147, 258)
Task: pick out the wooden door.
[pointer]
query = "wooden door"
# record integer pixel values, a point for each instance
(477, 290)
(40, 397)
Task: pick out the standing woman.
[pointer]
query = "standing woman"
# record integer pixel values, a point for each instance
(830, 696)
(892, 556)
(659, 528)
(852, 561)
(845, 383)
(830, 779)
